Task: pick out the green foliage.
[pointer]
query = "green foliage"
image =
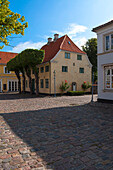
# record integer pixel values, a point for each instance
(31, 57)
(91, 50)
(75, 93)
(85, 86)
(10, 23)
(64, 86)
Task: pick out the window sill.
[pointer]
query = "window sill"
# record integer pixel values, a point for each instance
(108, 90)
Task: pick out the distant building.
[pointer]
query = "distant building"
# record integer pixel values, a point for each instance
(69, 63)
(105, 61)
(8, 80)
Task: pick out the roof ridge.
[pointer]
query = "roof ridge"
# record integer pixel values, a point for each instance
(63, 41)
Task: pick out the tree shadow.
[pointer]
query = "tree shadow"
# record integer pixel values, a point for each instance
(63, 138)
(14, 96)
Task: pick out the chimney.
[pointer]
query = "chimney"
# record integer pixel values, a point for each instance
(56, 36)
(49, 40)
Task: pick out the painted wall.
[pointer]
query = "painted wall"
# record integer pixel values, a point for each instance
(6, 77)
(104, 58)
(73, 74)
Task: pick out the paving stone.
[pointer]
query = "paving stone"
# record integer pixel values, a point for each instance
(41, 133)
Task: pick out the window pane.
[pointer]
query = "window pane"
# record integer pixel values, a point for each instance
(81, 70)
(108, 72)
(112, 81)
(64, 69)
(67, 55)
(47, 68)
(41, 83)
(111, 41)
(107, 43)
(79, 57)
(42, 69)
(47, 83)
(9, 86)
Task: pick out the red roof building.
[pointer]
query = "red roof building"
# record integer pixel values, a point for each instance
(63, 43)
(6, 56)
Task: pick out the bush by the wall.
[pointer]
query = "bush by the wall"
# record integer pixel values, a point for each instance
(75, 93)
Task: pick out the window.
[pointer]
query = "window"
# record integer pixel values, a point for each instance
(81, 70)
(4, 87)
(6, 70)
(42, 69)
(109, 42)
(79, 57)
(64, 69)
(73, 64)
(47, 69)
(46, 83)
(67, 55)
(41, 83)
(109, 77)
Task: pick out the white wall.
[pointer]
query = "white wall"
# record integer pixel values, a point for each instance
(103, 59)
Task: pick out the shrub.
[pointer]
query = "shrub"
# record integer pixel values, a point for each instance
(85, 86)
(75, 93)
(64, 86)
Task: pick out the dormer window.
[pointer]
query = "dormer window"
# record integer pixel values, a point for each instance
(109, 42)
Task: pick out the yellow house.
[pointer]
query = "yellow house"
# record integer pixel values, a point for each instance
(63, 61)
(8, 80)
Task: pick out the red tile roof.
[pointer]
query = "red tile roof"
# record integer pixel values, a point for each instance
(60, 44)
(6, 56)
(103, 25)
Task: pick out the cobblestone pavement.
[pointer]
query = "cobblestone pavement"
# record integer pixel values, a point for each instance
(62, 133)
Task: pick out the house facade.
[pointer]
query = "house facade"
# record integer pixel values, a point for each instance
(105, 61)
(8, 80)
(63, 61)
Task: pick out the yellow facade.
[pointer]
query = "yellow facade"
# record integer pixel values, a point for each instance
(8, 81)
(73, 76)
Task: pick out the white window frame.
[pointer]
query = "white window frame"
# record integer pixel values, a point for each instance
(109, 41)
(11, 84)
(5, 72)
(111, 75)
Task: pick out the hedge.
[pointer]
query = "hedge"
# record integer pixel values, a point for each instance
(75, 93)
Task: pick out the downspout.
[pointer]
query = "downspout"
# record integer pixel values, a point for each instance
(50, 76)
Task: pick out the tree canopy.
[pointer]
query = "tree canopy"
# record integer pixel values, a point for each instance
(10, 23)
(91, 50)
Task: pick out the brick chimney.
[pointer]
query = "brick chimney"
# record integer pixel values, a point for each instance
(56, 36)
(49, 40)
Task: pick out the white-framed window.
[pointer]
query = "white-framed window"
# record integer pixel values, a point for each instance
(6, 71)
(108, 77)
(109, 42)
(67, 55)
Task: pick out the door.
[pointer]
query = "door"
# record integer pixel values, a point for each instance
(74, 88)
(33, 85)
(13, 85)
(0, 85)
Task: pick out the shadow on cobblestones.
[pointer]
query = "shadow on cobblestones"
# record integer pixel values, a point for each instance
(14, 96)
(66, 138)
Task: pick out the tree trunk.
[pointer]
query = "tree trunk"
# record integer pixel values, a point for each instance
(19, 81)
(30, 80)
(37, 83)
(23, 75)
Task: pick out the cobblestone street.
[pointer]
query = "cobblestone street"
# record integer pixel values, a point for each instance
(62, 133)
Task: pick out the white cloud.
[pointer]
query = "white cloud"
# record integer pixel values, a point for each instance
(73, 30)
(22, 46)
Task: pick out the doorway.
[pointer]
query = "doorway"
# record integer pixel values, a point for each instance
(74, 86)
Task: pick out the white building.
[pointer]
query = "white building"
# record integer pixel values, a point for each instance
(105, 61)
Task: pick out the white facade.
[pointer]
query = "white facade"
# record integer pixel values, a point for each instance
(105, 61)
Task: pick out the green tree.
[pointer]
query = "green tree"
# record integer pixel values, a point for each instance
(13, 65)
(90, 48)
(10, 23)
(30, 58)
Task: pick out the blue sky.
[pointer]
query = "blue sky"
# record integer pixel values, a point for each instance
(46, 17)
